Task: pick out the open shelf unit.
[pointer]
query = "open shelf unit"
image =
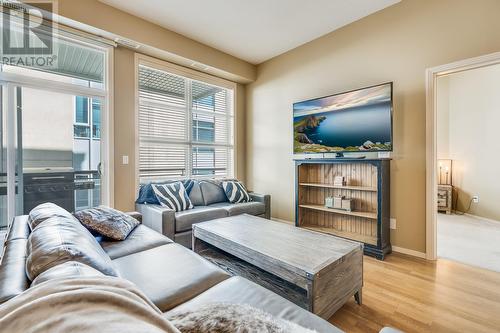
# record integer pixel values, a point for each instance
(367, 184)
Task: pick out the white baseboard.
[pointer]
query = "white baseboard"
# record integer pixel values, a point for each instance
(408, 252)
(481, 218)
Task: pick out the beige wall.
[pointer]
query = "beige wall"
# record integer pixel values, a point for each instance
(470, 101)
(124, 128)
(396, 44)
(99, 15)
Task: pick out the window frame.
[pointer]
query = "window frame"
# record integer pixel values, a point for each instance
(190, 74)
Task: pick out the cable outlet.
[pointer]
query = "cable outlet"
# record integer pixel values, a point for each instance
(475, 199)
(393, 223)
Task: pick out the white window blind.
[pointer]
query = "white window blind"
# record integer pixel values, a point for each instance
(185, 127)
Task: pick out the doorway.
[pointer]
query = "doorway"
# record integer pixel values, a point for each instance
(461, 107)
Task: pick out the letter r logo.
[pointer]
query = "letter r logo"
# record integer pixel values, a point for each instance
(26, 30)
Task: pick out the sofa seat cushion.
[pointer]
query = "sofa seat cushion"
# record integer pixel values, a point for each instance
(140, 239)
(169, 274)
(60, 239)
(69, 269)
(239, 290)
(252, 208)
(184, 220)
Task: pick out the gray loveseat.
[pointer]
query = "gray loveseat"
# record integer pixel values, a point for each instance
(210, 202)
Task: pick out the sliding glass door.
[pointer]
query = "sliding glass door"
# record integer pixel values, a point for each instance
(51, 149)
(54, 136)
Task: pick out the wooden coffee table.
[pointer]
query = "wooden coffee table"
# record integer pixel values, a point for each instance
(316, 271)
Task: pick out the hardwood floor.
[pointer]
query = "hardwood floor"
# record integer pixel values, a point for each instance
(415, 295)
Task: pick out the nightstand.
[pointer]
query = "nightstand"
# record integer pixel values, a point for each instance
(444, 199)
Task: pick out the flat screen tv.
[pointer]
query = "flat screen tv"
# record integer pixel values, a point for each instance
(353, 121)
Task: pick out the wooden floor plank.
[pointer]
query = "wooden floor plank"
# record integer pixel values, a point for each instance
(417, 295)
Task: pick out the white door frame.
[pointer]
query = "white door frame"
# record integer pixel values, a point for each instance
(432, 75)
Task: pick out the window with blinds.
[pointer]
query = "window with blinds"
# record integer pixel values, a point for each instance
(185, 127)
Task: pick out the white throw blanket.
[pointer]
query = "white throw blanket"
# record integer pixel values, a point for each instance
(100, 304)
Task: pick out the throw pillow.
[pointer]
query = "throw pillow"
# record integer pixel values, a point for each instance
(227, 317)
(173, 196)
(107, 221)
(235, 191)
(147, 195)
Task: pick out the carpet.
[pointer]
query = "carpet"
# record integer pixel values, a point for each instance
(469, 240)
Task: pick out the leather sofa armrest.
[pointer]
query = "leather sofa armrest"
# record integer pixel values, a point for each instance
(158, 218)
(265, 199)
(135, 215)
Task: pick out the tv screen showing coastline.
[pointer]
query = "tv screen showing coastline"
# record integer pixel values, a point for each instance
(354, 121)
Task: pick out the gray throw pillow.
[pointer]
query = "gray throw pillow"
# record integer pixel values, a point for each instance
(107, 221)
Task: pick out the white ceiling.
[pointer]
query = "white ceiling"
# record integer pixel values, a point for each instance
(252, 30)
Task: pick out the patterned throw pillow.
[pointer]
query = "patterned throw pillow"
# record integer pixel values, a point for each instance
(173, 196)
(147, 195)
(107, 221)
(235, 191)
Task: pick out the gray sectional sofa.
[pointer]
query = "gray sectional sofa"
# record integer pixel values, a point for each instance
(210, 202)
(170, 275)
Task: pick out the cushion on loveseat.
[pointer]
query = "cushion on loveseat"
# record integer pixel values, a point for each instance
(184, 220)
(170, 274)
(195, 194)
(61, 239)
(212, 191)
(252, 208)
